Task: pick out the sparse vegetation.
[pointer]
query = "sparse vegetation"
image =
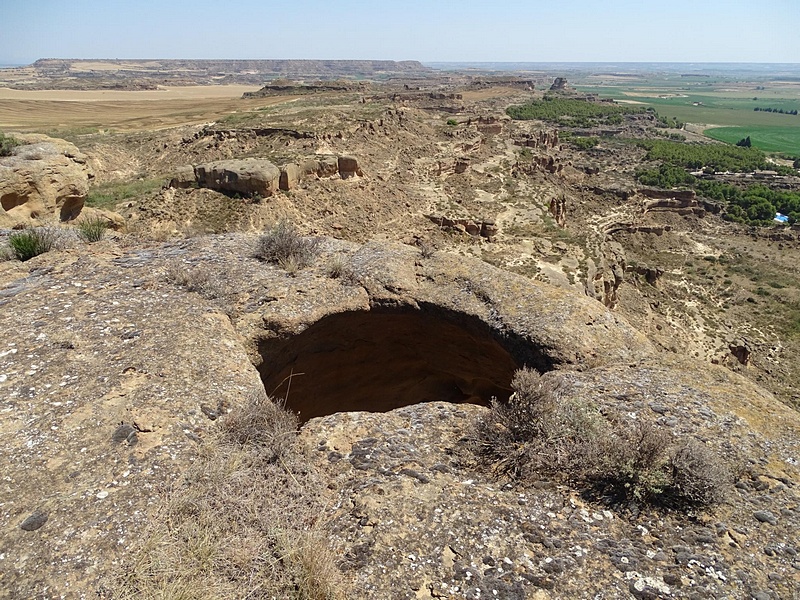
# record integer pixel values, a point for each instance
(108, 195)
(92, 229)
(198, 279)
(242, 522)
(284, 246)
(541, 433)
(7, 144)
(32, 242)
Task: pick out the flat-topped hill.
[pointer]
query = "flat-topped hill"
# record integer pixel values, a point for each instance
(60, 73)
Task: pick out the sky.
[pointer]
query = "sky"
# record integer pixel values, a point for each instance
(424, 30)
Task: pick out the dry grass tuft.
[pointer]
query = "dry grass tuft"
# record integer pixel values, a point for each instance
(539, 433)
(197, 279)
(243, 522)
(284, 246)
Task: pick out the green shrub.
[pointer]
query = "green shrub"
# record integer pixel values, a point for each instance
(541, 433)
(452, 122)
(7, 144)
(284, 246)
(92, 229)
(584, 143)
(32, 242)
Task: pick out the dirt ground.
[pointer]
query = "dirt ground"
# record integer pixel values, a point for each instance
(92, 111)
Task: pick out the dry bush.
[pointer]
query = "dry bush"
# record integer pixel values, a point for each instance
(697, 474)
(426, 248)
(284, 246)
(195, 279)
(539, 433)
(242, 522)
(263, 424)
(635, 462)
(536, 432)
(337, 267)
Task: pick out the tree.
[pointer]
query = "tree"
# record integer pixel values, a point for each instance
(744, 143)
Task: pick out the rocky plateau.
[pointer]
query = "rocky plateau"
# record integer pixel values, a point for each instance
(451, 247)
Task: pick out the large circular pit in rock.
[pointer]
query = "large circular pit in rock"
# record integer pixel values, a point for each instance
(383, 359)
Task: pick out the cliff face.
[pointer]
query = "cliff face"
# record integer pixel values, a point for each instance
(125, 358)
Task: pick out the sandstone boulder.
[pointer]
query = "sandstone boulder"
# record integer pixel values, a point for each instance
(45, 179)
(184, 178)
(246, 176)
(348, 167)
(290, 176)
(325, 166)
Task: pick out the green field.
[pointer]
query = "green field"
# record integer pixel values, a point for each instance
(728, 105)
(769, 139)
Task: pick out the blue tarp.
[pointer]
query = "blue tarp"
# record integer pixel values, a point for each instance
(779, 218)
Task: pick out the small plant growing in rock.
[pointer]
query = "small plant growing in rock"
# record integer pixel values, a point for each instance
(195, 279)
(337, 267)
(426, 249)
(7, 144)
(92, 229)
(263, 424)
(284, 246)
(32, 242)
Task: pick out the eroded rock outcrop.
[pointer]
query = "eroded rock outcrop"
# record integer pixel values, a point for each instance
(560, 84)
(246, 176)
(45, 179)
(260, 177)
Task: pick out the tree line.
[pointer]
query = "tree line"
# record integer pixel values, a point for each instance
(776, 110)
(752, 205)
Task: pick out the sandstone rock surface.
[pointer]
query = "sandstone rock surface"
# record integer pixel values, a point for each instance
(125, 355)
(44, 179)
(246, 176)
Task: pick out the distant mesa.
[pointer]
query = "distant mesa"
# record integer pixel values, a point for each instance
(181, 71)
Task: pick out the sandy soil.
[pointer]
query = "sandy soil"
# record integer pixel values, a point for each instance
(63, 110)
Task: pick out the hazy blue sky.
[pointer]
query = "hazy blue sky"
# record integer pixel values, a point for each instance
(426, 30)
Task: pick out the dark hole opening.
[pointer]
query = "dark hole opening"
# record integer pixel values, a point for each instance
(383, 359)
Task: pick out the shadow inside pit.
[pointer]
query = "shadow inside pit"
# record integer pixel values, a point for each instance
(383, 359)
